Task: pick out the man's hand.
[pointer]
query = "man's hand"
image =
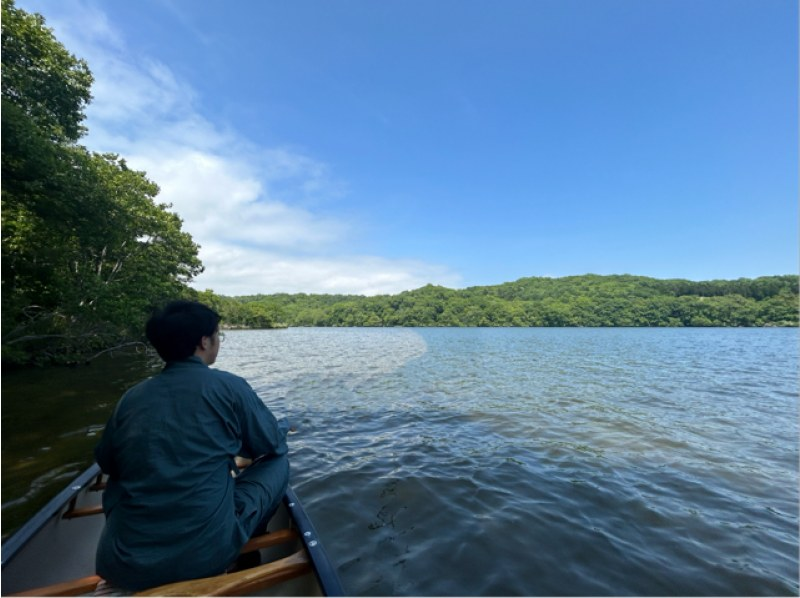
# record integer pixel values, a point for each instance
(242, 462)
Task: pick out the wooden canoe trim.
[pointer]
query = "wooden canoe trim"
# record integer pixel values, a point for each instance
(73, 512)
(99, 484)
(75, 587)
(271, 539)
(285, 570)
(239, 583)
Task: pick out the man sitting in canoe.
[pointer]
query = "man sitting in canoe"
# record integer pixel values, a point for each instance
(174, 509)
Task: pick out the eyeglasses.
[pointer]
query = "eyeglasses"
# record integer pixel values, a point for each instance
(221, 337)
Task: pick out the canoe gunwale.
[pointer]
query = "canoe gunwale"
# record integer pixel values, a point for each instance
(321, 566)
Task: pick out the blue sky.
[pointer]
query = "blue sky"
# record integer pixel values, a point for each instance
(369, 147)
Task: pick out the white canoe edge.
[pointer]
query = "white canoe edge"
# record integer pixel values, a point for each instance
(50, 549)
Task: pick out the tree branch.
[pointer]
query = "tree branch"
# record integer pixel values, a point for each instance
(138, 344)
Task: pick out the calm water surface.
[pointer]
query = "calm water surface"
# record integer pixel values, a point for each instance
(539, 461)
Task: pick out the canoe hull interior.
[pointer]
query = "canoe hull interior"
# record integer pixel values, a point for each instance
(51, 549)
(64, 549)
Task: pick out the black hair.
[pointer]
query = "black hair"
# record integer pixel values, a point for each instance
(177, 329)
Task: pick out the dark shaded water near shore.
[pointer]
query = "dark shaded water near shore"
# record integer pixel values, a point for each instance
(497, 461)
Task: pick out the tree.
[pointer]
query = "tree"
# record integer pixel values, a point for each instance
(86, 250)
(41, 77)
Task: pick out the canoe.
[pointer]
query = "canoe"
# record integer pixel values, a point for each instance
(53, 553)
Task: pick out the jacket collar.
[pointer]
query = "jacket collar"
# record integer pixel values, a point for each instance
(191, 361)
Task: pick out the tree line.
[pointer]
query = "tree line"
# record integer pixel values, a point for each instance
(588, 300)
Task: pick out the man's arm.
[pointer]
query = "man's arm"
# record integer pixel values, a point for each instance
(262, 434)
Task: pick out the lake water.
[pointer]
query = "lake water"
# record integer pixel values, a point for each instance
(538, 461)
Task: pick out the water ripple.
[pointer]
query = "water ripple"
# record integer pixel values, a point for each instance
(542, 462)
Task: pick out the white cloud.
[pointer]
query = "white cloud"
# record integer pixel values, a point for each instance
(227, 190)
(220, 200)
(234, 271)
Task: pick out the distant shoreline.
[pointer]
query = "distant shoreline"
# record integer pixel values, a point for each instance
(575, 301)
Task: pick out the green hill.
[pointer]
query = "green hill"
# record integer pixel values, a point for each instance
(589, 300)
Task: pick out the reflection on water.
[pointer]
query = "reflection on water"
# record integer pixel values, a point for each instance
(303, 360)
(534, 461)
(51, 419)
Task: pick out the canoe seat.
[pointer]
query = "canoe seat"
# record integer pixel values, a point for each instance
(229, 584)
(274, 538)
(74, 512)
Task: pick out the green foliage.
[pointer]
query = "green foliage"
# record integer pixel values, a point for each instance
(86, 251)
(41, 77)
(589, 300)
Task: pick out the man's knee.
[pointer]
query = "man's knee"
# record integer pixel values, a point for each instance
(259, 491)
(264, 481)
(274, 469)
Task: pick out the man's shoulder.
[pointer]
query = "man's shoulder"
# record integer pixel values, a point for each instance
(225, 377)
(140, 386)
(196, 373)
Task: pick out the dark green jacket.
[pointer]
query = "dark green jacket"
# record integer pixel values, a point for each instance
(168, 449)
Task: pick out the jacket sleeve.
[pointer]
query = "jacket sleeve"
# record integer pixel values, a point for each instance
(262, 434)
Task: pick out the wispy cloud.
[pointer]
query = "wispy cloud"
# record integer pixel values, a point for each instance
(239, 200)
(365, 275)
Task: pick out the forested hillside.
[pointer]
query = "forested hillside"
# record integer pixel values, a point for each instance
(588, 300)
(86, 250)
